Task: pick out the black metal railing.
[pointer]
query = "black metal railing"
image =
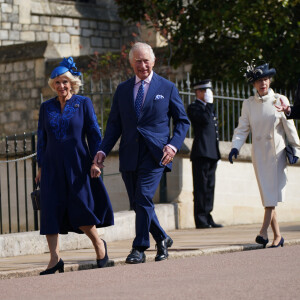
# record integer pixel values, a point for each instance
(17, 173)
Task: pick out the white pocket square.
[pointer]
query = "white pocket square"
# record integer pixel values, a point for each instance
(158, 97)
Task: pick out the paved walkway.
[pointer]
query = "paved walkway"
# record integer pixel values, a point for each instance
(187, 243)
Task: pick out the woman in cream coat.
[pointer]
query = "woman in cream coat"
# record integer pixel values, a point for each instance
(271, 132)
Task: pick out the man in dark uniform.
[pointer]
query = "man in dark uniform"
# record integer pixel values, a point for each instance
(205, 153)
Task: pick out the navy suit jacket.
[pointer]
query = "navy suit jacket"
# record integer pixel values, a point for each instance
(161, 103)
(205, 125)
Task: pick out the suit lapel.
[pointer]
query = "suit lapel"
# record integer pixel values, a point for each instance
(129, 93)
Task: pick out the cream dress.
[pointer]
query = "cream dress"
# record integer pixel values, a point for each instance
(271, 132)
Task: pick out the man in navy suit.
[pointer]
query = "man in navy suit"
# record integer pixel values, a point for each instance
(141, 112)
(205, 153)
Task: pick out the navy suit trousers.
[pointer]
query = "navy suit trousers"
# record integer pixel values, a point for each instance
(141, 185)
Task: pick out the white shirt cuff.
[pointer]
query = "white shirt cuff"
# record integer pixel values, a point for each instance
(172, 147)
(102, 153)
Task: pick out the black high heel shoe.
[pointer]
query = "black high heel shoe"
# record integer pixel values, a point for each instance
(279, 244)
(260, 240)
(101, 263)
(59, 266)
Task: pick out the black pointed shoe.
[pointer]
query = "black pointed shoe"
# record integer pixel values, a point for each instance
(101, 263)
(135, 257)
(260, 240)
(58, 267)
(281, 242)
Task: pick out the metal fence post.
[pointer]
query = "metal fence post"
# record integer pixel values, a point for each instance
(33, 160)
(8, 186)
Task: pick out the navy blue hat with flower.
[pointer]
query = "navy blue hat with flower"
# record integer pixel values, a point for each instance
(254, 73)
(67, 64)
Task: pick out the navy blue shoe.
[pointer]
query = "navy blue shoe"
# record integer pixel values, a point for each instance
(101, 263)
(135, 257)
(279, 244)
(260, 240)
(58, 267)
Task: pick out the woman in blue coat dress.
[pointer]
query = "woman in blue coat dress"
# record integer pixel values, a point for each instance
(73, 196)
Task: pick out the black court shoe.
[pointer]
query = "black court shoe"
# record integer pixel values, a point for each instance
(58, 267)
(279, 244)
(101, 263)
(260, 240)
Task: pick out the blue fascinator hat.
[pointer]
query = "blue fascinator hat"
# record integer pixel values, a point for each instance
(67, 64)
(254, 73)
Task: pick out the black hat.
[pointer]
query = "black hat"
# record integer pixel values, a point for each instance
(203, 84)
(253, 73)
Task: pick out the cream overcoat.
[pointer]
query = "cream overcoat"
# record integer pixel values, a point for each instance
(271, 132)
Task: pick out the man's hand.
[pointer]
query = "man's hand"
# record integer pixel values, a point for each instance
(283, 107)
(208, 96)
(95, 171)
(168, 156)
(99, 159)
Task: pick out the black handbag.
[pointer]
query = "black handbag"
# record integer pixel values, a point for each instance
(35, 197)
(289, 153)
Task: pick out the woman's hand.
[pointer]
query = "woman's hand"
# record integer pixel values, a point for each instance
(283, 107)
(234, 152)
(38, 177)
(95, 171)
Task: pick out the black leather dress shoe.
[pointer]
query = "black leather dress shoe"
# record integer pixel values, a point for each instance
(135, 257)
(162, 250)
(212, 223)
(215, 225)
(203, 226)
(169, 241)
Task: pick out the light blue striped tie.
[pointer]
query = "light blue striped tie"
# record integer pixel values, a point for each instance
(139, 99)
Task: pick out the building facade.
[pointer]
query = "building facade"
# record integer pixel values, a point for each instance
(75, 27)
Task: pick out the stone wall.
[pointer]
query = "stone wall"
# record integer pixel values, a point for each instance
(75, 28)
(22, 77)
